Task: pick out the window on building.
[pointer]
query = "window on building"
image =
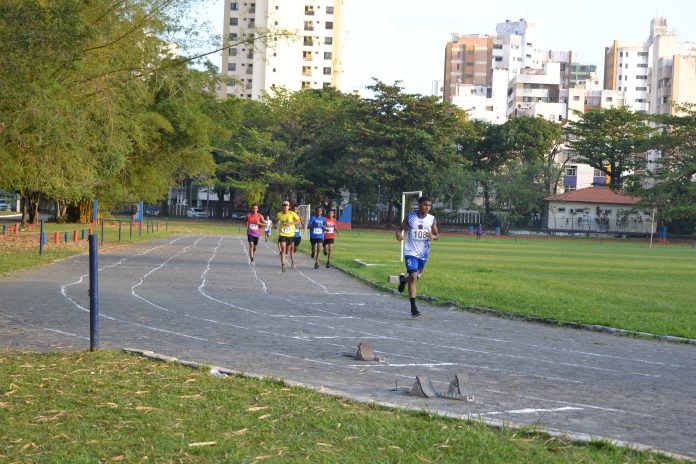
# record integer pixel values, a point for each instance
(308, 26)
(561, 210)
(642, 65)
(234, 21)
(307, 56)
(329, 24)
(576, 97)
(642, 78)
(307, 41)
(231, 66)
(569, 188)
(641, 89)
(571, 171)
(233, 36)
(234, 6)
(642, 53)
(309, 10)
(327, 71)
(232, 51)
(610, 99)
(489, 108)
(328, 40)
(252, 23)
(327, 55)
(329, 10)
(598, 173)
(326, 85)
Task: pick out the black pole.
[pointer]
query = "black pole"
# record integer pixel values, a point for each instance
(93, 294)
(119, 230)
(41, 239)
(102, 235)
(131, 229)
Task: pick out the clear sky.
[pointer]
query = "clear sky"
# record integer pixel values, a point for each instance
(405, 39)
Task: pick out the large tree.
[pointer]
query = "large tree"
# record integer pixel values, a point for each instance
(674, 173)
(407, 142)
(612, 140)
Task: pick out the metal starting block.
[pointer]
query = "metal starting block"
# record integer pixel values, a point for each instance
(364, 352)
(454, 392)
(423, 388)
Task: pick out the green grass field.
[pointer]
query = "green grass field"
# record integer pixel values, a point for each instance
(619, 284)
(114, 407)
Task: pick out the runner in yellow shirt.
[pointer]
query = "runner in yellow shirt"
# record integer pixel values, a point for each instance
(286, 221)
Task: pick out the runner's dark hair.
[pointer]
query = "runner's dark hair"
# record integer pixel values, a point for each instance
(424, 198)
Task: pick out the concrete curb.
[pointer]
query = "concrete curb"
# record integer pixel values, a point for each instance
(525, 317)
(362, 399)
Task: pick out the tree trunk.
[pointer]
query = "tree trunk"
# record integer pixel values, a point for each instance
(486, 200)
(221, 197)
(33, 200)
(25, 210)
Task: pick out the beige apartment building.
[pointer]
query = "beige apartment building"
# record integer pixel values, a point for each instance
(309, 57)
(468, 62)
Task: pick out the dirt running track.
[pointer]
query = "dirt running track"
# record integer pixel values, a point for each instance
(197, 298)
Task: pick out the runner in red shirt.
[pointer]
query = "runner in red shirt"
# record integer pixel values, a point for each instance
(254, 224)
(330, 232)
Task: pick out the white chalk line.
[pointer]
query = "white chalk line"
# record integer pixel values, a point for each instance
(529, 411)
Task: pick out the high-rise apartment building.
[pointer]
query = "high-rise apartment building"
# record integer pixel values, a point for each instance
(655, 73)
(311, 58)
(467, 63)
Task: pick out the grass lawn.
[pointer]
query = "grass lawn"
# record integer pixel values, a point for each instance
(114, 407)
(615, 283)
(21, 251)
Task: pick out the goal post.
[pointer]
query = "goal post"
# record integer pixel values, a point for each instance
(304, 211)
(418, 194)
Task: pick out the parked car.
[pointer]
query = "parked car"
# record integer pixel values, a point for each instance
(196, 213)
(152, 211)
(4, 206)
(237, 215)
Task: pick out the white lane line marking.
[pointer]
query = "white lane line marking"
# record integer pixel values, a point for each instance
(583, 405)
(303, 359)
(405, 365)
(253, 268)
(529, 411)
(64, 333)
(326, 290)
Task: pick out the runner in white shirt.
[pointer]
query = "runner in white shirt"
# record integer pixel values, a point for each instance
(421, 228)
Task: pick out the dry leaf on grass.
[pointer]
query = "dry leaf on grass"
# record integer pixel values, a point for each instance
(257, 408)
(237, 432)
(265, 416)
(202, 443)
(120, 457)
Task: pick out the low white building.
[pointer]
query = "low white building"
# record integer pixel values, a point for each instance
(597, 210)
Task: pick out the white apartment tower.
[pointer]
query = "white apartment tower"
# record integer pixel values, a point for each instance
(311, 58)
(655, 73)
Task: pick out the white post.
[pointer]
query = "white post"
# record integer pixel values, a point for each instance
(652, 227)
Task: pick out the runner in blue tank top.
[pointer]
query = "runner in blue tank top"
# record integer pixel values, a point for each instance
(316, 233)
(421, 228)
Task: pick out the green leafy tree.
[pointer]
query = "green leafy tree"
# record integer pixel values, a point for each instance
(672, 180)
(406, 142)
(611, 140)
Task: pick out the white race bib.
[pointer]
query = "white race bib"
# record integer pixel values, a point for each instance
(420, 234)
(286, 230)
(318, 231)
(253, 227)
(330, 230)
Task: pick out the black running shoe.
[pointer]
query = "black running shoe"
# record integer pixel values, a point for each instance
(327, 265)
(312, 252)
(316, 265)
(325, 253)
(415, 313)
(402, 283)
(282, 268)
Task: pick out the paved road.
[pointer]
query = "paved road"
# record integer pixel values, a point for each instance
(197, 298)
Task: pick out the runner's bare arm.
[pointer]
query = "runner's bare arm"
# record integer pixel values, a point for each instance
(434, 232)
(401, 229)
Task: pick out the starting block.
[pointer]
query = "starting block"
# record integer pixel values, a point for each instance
(454, 392)
(423, 388)
(364, 352)
(393, 279)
